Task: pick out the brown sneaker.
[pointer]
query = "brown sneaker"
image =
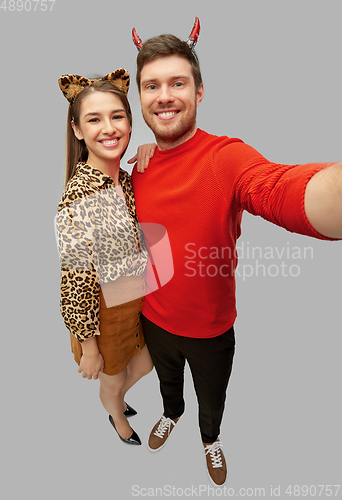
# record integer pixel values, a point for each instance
(160, 433)
(216, 463)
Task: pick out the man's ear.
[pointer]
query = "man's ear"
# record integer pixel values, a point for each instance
(200, 94)
(77, 132)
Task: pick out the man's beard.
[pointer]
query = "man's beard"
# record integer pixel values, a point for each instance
(169, 134)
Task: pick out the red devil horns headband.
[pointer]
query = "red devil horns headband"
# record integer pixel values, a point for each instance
(191, 41)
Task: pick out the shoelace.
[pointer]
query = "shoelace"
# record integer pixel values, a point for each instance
(165, 425)
(215, 455)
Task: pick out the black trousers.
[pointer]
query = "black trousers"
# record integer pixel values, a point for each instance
(210, 361)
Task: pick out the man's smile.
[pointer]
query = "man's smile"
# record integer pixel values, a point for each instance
(165, 115)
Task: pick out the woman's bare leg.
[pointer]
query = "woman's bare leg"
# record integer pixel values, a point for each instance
(114, 387)
(111, 396)
(138, 367)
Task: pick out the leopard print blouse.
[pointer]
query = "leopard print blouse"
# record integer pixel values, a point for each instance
(99, 240)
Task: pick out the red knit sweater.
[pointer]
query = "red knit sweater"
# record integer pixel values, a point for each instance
(198, 192)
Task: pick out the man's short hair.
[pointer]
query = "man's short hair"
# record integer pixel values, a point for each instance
(167, 45)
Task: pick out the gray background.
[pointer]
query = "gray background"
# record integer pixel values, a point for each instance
(272, 75)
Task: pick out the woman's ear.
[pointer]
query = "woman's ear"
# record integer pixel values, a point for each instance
(77, 131)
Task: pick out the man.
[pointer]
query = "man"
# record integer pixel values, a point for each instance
(197, 186)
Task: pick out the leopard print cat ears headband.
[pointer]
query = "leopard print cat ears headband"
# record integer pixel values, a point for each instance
(191, 41)
(72, 85)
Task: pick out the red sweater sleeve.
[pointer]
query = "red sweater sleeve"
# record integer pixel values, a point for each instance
(272, 191)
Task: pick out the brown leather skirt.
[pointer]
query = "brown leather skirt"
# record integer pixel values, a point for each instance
(121, 335)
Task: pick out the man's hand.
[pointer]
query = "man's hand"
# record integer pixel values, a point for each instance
(323, 201)
(143, 156)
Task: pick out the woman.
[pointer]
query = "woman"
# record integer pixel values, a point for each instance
(102, 250)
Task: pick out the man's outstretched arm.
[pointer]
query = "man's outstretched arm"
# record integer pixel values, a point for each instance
(323, 201)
